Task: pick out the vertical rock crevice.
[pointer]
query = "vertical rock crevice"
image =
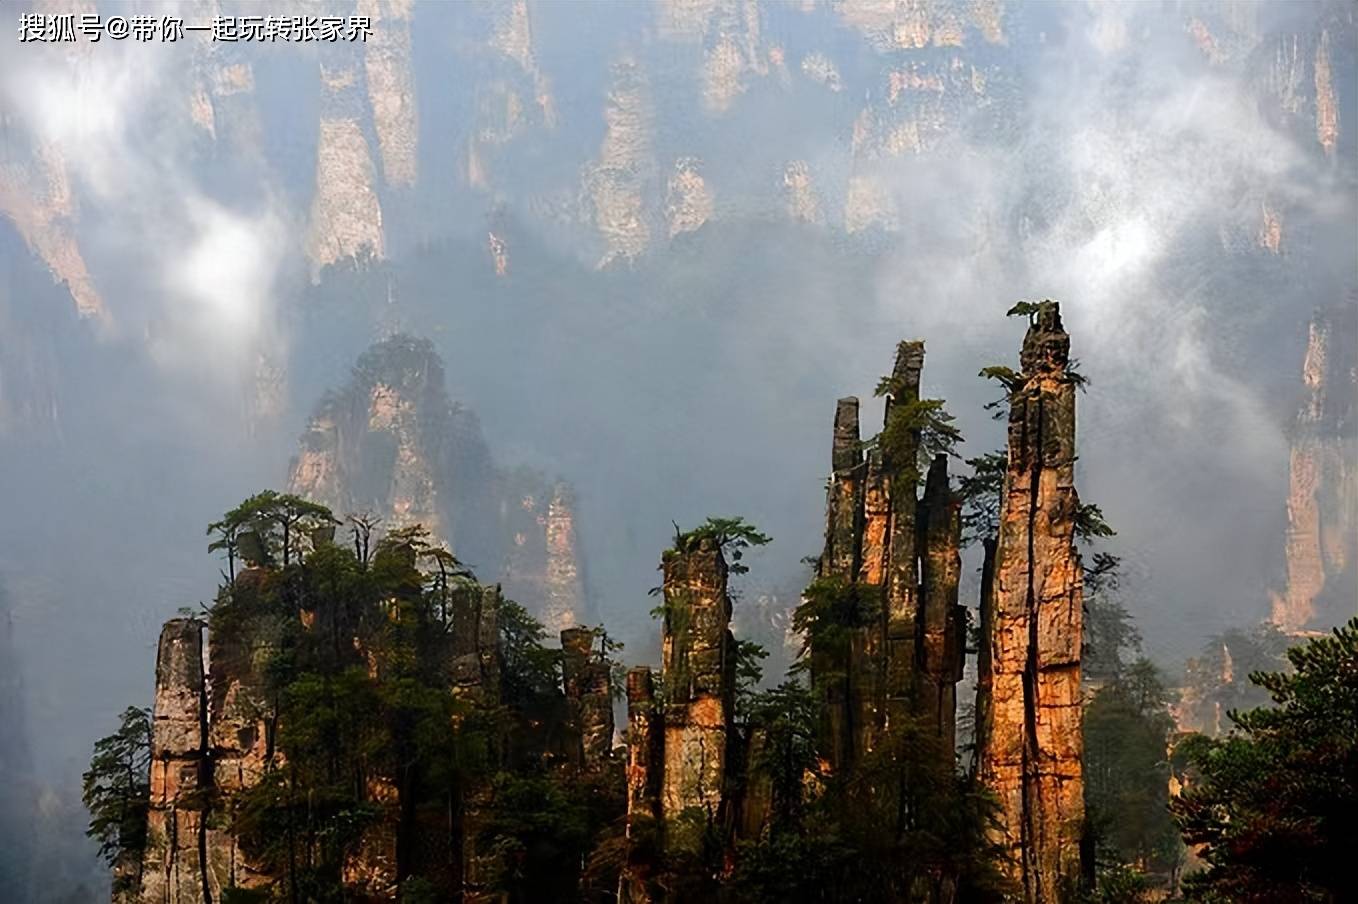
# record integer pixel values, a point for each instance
(1031, 724)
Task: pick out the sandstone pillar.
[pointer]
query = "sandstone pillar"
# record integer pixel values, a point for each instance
(941, 620)
(699, 665)
(1033, 748)
(173, 870)
(589, 697)
(842, 701)
(902, 577)
(644, 764)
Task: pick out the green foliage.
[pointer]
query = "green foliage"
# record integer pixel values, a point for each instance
(1116, 882)
(916, 430)
(535, 835)
(1273, 803)
(831, 610)
(116, 790)
(1029, 309)
(1127, 728)
(345, 658)
(532, 671)
(733, 536)
(749, 672)
(786, 715)
(1108, 633)
(1090, 523)
(278, 525)
(980, 492)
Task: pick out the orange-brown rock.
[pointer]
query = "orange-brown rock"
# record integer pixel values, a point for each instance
(699, 681)
(174, 867)
(1033, 746)
(1327, 104)
(645, 752)
(682, 741)
(346, 214)
(1322, 500)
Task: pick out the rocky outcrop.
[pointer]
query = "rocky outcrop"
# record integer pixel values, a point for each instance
(681, 741)
(942, 622)
(902, 574)
(393, 445)
(645, 768)
(803, 203)
(174, 870)
(213, 739)
(36, 196)
(1032, 754)
(1322, 500)
(564, 593)
(900, 555)
(589, 697)
(699, 669)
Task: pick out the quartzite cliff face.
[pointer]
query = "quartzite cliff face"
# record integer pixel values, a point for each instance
(391, 444)
(1032, 740)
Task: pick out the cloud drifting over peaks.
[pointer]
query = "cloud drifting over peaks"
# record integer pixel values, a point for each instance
(196, 273)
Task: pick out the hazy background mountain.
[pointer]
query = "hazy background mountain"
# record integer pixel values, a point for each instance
(652, 243)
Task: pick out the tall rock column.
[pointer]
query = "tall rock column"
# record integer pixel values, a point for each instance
(1033, 743)
(645, 759)
(941, 620)
(589, 696)
(902, 570)
(173, 870)
(1322, 499)
(564, 588)
(842, 713)
(699, 665)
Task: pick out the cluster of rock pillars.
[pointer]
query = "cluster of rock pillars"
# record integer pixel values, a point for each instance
(684, 748)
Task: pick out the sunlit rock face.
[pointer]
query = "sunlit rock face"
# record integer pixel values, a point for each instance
(1322, 500)
(391, 89)
(621, 182)
(688, 201)
(391, 444)
(1033, 743)
(346, 212)
(37, 197)
(173, 871)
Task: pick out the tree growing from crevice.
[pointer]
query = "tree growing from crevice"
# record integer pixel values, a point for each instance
(116, 789)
